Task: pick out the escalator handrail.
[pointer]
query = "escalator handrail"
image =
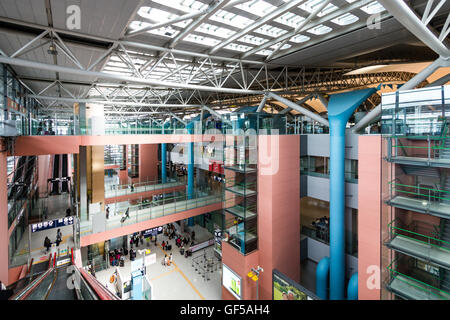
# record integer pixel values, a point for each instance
(29, 267)
(97, 287)
(22, 295)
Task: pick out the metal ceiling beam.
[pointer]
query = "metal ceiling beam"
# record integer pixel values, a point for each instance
(78, 38)
(409, 19)
(213, 8)
(297, 108)
(297, 29)
(119, 103)
(261, 21)
(262, 103)
(103, 75)
(310, 25)
(375, 113)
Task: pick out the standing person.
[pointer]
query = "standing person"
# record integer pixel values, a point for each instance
(170, 258)
(68, 212)
(47, 243)
(132, 187)
(58, 237)
(107, 212)
(193, 235)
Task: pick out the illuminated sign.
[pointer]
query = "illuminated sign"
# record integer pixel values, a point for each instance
(232, 282)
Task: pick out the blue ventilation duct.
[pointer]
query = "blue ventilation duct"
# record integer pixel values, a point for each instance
(340, 107)
(352, 288)
(322, 272)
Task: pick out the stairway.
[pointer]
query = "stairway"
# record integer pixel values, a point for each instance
(445, 153)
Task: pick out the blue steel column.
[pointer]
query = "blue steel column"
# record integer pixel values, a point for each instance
(163, 159)
(190, 171)
(340, 107)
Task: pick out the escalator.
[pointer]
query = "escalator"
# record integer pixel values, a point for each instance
(56, 175)
(28, 175)
(63, 281)
(64, 174)
(18, 177)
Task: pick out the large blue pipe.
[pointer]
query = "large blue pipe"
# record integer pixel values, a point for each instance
(352, 288)
(340, 108)
(163, 162)
(322, 272)
(190, 170)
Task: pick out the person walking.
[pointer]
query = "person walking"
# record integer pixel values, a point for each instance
(47, 243)
(58, 237)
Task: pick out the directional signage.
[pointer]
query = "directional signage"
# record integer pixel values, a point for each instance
(57, 223)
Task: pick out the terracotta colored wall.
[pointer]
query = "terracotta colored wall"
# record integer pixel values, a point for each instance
(369, 215)
(241, 265)
(278, 208)
(38, 145)
(118, 232)
(14, 274)
(148, 162)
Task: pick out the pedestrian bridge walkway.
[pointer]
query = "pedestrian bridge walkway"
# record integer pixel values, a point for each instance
(411, 289)
(144, 212)
(113, 191)
(421, 250)
(436, 208)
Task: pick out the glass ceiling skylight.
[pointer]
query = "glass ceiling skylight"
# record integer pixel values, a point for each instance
(252, 40)
(320, 29)
(373, 7)
(256, 7)
(345, 19)
(312, 5)
(290, 19)
(231, 19)
(187, 6)
(215, 30)
(270, 31)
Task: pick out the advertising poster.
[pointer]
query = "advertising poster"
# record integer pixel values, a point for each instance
(232, 282)
(284, 288)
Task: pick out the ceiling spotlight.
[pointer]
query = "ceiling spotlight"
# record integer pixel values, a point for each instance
(52, 50)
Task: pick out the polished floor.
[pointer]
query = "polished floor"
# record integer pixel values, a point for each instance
(178, 281)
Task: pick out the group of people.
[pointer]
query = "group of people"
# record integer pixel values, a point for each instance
(48, 243)
(322, 228)
(136, 239)
(116, 257)
(167, 261)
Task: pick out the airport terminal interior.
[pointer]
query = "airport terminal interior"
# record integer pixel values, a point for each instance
(225, 149)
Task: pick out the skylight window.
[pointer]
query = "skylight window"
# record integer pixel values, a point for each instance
(300, 38)
(345, 19)
(215, 30)
(256, 7)
(264, 52)
(312, 5)
(290, 19)
(270, 31)
(166, 31)
(237, 47)
(156, 15)
(320, 29)
(252, 39)
(231, 19)
(201, 40)
(373, 7)
(286, 46)
(187, 6)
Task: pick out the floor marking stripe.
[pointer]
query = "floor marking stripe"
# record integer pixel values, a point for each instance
(184, 276)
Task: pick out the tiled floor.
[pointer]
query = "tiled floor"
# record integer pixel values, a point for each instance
(178, 281)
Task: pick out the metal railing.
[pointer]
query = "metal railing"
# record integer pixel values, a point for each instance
(148, 210)
(116, 190)
(425, 287)
(418, 192)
